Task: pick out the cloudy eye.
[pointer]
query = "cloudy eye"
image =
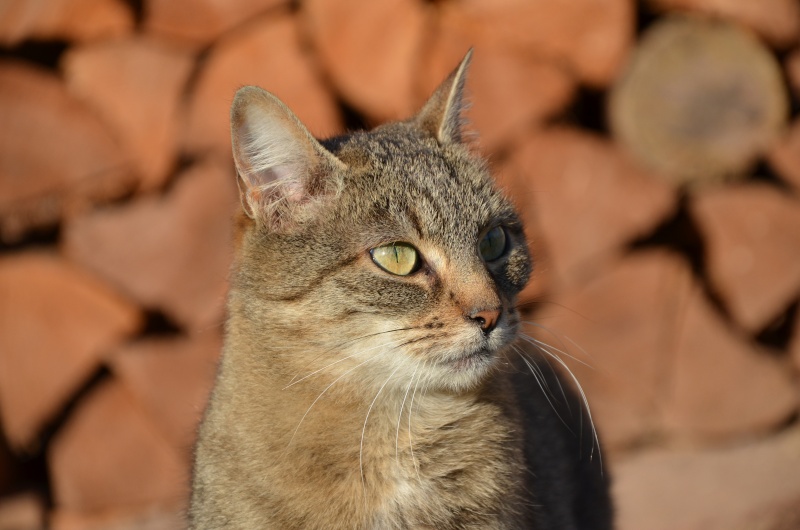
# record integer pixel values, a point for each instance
(493, 244)
(396, 258)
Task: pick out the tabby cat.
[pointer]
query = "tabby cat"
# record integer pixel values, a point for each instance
(372, 375)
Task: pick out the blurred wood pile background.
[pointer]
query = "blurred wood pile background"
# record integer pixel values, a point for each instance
(653, 148)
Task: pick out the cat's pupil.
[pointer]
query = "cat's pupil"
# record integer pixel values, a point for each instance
(493, 244)
(397, 258)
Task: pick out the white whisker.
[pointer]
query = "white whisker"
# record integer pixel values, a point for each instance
(326, 389)
(410, 436)
(542, 346)
(345, 343)
(562, 352)
(538, 376)
(364, 430)
(559, 338)
(400, 416)
(535, 370)
(426, 385)
(558, 382)
(393, 343)
(585, 402)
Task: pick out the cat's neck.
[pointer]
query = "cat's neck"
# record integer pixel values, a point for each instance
(390, 443)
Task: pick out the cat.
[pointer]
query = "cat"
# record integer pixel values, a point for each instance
(372, 376)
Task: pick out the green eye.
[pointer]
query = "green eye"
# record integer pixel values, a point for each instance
(396, 258)
(493, 244)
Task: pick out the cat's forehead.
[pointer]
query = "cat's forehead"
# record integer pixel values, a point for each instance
(392, 146)
(445, 191)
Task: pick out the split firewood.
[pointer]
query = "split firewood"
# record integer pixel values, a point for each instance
(700, 101)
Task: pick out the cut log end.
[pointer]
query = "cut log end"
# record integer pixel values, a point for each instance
(701, 100)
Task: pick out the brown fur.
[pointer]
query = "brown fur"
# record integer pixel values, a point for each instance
(345, 396)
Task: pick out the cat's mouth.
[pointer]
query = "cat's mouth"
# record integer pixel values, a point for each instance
(478, 358)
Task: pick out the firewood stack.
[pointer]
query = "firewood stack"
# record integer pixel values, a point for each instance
(653, 149)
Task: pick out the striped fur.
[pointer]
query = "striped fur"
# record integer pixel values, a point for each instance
(351, 398)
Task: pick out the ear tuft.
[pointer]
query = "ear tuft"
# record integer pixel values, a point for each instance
(277, 159)
(443, 114)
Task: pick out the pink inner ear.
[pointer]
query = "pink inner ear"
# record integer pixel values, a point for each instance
(285, 177)
(294, 191)
(280, 173)
(291, 186)
(277, 183)
(274, 154)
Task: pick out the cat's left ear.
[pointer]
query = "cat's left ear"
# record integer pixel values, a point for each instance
(443, 114)
(280, 164)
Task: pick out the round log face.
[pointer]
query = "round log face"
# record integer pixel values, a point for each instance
(700, 101)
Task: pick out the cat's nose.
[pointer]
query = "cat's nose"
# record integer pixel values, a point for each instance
(486, 319)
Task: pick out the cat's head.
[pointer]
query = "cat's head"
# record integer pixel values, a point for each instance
(389, 250)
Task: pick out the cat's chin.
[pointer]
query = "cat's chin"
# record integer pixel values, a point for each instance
(466, 371)
(480, 359)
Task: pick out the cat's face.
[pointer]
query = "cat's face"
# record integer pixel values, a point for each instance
(396, 255)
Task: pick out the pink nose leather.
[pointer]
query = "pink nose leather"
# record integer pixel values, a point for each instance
(486, 319)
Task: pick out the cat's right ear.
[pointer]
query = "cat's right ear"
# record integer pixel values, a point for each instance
(278, 161)
(442, 116)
